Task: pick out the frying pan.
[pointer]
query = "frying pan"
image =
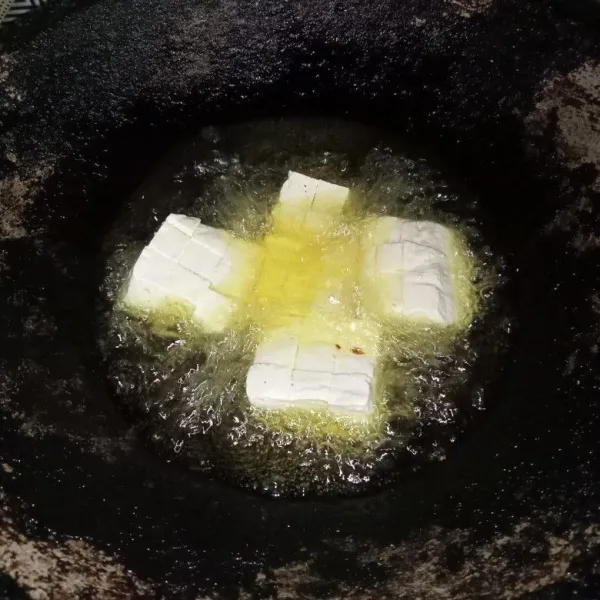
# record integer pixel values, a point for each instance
(506, 97)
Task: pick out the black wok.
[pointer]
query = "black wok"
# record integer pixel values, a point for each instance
(504, 95)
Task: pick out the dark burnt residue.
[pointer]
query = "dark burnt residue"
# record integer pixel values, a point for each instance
(89, 95)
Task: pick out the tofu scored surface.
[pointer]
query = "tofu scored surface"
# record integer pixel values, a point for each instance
(314, 203)
(407, 261)
(191, 262)
(403, 264)
(288, 373)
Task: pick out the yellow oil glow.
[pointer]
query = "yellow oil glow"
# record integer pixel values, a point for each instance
(307, 284)
(301, 274)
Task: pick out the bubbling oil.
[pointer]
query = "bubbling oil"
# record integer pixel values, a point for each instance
(186, 389)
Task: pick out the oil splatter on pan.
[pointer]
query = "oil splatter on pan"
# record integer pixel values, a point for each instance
(495, 96)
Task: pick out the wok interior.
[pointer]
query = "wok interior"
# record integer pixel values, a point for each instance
(226, 175)
(508, 191)
(85, 196)
(476, 150)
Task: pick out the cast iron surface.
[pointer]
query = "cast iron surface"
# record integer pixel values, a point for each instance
(506, 94)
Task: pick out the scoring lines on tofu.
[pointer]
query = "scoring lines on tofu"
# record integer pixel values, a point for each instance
(405, 263)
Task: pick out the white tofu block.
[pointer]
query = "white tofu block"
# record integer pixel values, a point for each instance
(320, 373)
(298, 189)
(270, 403)
(350, 392)
(268, 384)
(425, 233)
(315, 358)
(410, 267)
(427, 301)
(186, 285)
(330, 197)
(309, 386)
(149, 280)
(221, 272)
(314, 202)
(203, 261)
(185, 224)
(432, 274)
(318, 221)
(392, 230)
(431, 285)
(416, 256)
(390, 258)
(170, 241)
(280, 352)
(143, 293)
(359, 364)
(153, 266)
(212, 239)
(184, 261)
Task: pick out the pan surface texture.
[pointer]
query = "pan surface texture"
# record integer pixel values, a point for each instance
(504, 97)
